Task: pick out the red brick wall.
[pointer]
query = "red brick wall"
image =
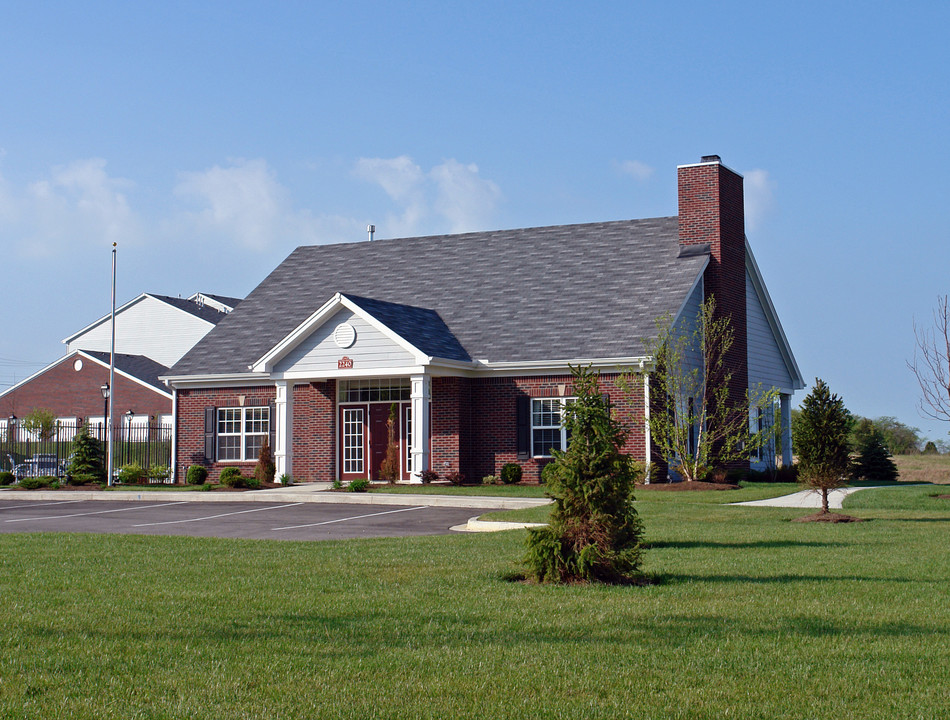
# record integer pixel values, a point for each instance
(451, 426)
(71, 393)
(190, 427)
(493, 419)
(711, 210)
(314, 432)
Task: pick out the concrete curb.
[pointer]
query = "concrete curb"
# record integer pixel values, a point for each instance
(313, 493)
(476, 525)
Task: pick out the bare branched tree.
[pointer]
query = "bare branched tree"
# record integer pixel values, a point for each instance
(931, 363)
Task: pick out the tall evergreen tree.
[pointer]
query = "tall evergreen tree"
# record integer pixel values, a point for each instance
(594, 532)
(822, 441)
(874, 460)
(87, 464)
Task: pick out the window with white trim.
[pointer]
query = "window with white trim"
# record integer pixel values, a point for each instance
(547, 425)
(241, 432)
(353, 446)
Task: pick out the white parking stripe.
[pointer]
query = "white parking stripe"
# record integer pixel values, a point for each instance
(212, 517)
(18, 505)
(354, 517)
(97, 512)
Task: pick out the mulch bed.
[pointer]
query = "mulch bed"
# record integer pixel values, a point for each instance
(685, 486)
(828, 517)
(943, 497)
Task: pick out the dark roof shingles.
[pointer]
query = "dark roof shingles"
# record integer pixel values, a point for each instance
(533, 294)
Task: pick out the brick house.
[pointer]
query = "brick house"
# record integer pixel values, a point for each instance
(468, 339)
(152, 332)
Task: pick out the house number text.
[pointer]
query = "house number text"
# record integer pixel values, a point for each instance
(344, 363)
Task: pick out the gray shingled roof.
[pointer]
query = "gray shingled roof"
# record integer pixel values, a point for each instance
(420, 326)
(138, 366)
(533, 294)
(205, 312)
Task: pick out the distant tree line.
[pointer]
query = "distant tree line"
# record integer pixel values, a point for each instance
(897, 437)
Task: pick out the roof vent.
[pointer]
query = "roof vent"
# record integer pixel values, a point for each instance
(370, 229)
(711, 158)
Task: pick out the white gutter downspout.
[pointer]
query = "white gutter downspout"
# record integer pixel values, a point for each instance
(174, 457)
(646, 420)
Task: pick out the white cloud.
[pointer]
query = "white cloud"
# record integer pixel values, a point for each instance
(639, 171)
(450, 197)
(77, 206)
(759, 198)
(463, 198)
(245, 202)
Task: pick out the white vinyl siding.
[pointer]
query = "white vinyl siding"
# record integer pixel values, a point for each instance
(766, 365)
(148, 327)
(318, 353)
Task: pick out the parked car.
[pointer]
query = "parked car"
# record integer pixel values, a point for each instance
(40, 465)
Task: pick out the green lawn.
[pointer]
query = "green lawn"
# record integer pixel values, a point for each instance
(756, 617)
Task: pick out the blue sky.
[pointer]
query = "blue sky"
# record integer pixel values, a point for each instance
(208, 139)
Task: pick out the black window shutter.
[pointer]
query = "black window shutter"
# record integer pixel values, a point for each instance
(524, 427)
(272, 425)
(210, 423)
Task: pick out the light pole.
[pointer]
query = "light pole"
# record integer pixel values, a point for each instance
(106, 393)
(128, 437)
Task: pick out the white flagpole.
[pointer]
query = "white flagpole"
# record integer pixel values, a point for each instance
(111, 379)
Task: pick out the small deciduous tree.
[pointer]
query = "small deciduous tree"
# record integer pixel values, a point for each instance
(824, 459)
(41, 423)
(594, 532)
(697, 425)
(931, 363)
(389, 468)
(265, 468)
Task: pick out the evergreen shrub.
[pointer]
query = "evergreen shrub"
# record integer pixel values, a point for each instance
(358, 485)
(196, 475)
(6, 478)
(511, 473)
(594, 532)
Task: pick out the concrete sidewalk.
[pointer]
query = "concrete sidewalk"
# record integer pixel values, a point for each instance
(806, 499)
(307, 492)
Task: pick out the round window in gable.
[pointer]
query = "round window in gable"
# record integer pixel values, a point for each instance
(77, 364)
(344, 335)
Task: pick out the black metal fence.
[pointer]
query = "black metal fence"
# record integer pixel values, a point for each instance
(30, 454)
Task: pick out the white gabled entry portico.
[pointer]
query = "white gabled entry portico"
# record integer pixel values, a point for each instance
(373, 368)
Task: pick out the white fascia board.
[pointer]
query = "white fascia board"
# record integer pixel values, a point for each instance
(105, 318)
(124, 374)
(90, 358)
(561, 367)
(126, 306)
(207, 381)
(53, 364)
(308, 326)
(759, 284)
(361, 374)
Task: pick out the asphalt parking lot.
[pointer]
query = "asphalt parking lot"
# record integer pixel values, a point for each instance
(270, 521)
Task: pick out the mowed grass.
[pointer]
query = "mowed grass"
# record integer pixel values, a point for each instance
(755, 617)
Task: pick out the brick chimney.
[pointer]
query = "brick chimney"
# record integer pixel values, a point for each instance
(711, 211)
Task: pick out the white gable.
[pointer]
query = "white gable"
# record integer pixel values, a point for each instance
(319, 353)
(146, 326)
(766, 364)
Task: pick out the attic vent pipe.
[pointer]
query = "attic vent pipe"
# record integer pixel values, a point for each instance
(370, 229)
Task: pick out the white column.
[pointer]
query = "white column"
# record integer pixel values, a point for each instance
(785, 403)
(283, 445)
(419, 396)
(646, 424)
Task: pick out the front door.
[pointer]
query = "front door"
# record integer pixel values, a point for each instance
(378, 437)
